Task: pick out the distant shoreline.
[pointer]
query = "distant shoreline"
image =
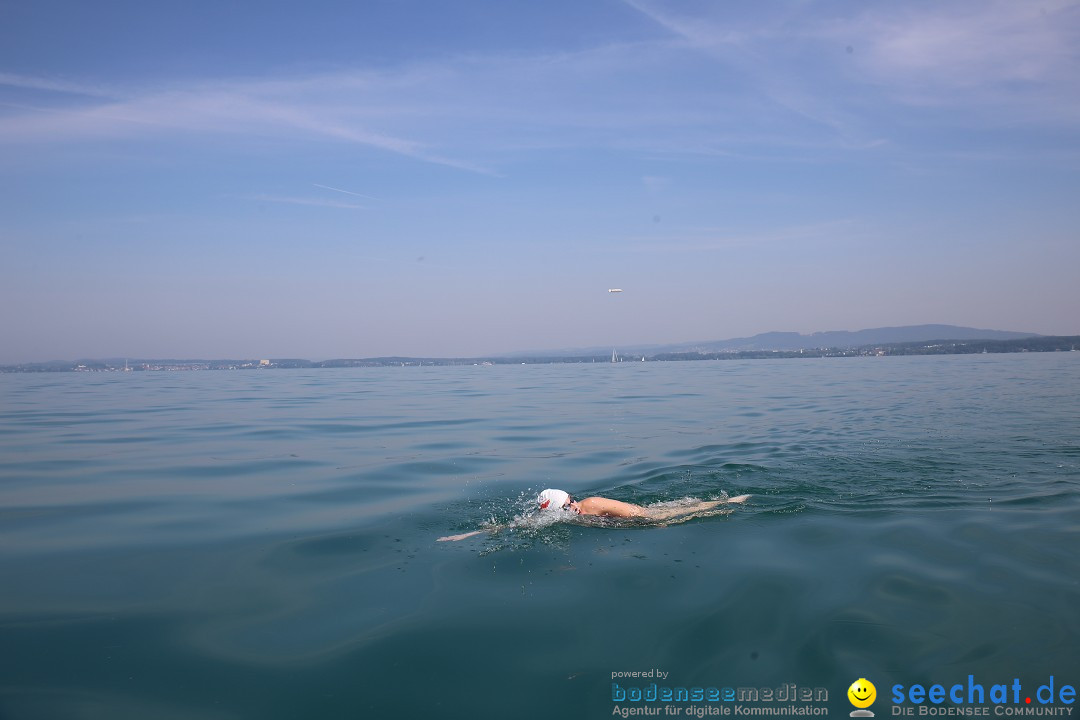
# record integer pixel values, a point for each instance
(1059, 343)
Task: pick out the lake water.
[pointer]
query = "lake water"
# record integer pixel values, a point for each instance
(262, 544)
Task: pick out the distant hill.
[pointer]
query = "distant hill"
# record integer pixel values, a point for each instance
(849, 339)
(793, 341)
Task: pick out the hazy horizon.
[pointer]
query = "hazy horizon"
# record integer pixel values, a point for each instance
(523, 352)
(459, 180)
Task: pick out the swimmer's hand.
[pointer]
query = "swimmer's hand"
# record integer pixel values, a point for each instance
(455, 538)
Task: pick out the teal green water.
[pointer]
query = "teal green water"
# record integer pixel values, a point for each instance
(262, 544)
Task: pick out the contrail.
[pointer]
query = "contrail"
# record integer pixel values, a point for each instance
(347, 192)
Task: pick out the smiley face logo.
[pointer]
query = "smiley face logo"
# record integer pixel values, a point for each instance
(862, 693)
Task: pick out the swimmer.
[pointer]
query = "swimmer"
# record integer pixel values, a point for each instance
(552, 499)
(557, 499)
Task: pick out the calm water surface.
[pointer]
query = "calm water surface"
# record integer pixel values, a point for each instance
(262, 544)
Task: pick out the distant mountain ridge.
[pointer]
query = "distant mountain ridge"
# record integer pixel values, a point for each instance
(852, 339)
(793, 341)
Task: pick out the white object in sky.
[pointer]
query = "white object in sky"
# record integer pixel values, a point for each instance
(614, 289)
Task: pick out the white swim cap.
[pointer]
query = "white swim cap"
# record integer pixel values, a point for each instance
(552, 499)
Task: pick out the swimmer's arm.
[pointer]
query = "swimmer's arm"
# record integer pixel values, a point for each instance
(608, 507)
(455, 538)
(490, 529)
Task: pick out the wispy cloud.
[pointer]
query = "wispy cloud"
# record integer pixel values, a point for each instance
(717, 80)
(316, 202)
(987, 59)
(971, 44)
(281, 108)
(57, 85)
(347, 192)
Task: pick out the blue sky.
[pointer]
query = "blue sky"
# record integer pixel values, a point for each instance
(354, 179)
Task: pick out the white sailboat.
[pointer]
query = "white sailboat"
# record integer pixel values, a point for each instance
(614, 356)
